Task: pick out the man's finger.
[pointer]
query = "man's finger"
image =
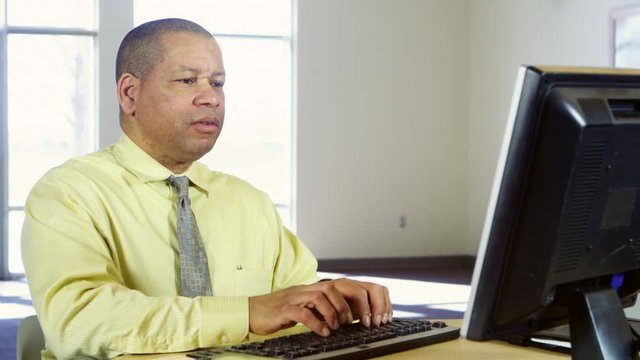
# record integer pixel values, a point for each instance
(306, 316)
(322, 307)
(338, 301)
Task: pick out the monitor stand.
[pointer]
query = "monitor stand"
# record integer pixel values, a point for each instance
(602, 331)
(599, 327)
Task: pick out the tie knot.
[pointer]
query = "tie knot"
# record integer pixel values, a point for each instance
(181, 184)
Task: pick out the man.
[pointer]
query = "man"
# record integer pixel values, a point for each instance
(102, 255)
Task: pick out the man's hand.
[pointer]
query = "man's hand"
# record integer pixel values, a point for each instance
(322, 307)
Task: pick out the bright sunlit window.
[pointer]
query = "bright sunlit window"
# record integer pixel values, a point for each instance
(626, 34)
(50, 93)
(255, 38)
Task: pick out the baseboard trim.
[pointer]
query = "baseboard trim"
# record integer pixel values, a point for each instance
(426, 262)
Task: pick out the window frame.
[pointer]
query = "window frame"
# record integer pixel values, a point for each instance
(4, 187)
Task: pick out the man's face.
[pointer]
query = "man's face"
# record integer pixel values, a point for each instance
(179, 106)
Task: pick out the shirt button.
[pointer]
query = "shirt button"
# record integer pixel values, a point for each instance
(225, 338)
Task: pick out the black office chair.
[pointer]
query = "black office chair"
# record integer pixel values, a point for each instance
(30, 340)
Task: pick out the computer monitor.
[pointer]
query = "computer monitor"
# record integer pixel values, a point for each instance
(561, 240)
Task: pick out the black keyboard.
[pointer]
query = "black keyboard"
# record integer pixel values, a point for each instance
(349, 342)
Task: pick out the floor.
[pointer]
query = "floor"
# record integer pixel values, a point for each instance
(439, 293)
(15, 304)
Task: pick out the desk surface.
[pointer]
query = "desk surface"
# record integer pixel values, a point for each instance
(450, 350)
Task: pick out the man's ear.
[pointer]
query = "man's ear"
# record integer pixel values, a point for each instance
(127, 88)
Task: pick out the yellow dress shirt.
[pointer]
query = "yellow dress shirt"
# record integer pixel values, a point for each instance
(100, 252)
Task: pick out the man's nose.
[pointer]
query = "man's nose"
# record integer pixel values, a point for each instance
(209, 95)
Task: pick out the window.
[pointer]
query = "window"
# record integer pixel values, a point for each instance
(625, 30)
(48, 82)
(255, 38)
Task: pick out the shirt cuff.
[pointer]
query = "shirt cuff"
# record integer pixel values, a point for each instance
(225, 320)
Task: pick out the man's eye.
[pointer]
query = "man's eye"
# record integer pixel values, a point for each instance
(217, 84)
(187, 81)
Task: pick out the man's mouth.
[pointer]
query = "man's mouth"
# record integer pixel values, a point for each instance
(207, 125)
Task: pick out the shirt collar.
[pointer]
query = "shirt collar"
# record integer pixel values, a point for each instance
(148, 169)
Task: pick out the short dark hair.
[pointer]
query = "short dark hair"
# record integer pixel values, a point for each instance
(141, 50)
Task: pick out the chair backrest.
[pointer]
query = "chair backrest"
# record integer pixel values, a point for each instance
(30, 340)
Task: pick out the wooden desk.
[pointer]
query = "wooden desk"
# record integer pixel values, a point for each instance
(450, 350)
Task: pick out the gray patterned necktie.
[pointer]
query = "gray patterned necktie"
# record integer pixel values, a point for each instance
(194, 267)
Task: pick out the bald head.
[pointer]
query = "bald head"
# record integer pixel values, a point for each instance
(141, 49)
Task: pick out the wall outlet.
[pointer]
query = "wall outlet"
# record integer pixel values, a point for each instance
(403, 221)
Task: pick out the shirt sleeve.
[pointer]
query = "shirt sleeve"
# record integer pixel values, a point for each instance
(296, 265)
(82, 302)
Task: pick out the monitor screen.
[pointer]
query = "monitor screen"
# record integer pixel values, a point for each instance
(561, 239)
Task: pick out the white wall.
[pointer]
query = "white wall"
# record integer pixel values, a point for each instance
(382, 127)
